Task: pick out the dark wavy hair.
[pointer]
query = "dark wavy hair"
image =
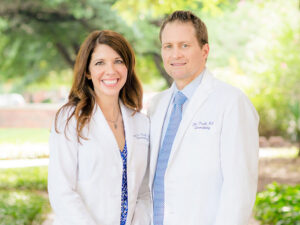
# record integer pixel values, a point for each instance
(82, 95)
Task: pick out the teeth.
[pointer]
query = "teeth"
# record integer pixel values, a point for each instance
(110, 81)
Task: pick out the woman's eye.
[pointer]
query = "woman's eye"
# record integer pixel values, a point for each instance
(99, 63)
(184, 45)
(168, 46)
(119, 61)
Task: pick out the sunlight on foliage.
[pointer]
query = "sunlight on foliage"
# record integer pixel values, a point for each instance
(132, 10)
(279, 204)
(22, 208)
(31, 178)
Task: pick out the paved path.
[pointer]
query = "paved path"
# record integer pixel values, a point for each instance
(19, 163)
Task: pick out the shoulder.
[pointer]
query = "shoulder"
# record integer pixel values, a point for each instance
(228, 92)
(137, 117)
(155, 101)
(159, 96)
(232, 98)
(141, 118)
(65, 116)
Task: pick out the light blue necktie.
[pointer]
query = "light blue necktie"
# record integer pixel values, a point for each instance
(163, 158)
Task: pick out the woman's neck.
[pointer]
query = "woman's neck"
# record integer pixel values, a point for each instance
(109, 106)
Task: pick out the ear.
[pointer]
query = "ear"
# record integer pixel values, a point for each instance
(205, 50)
(88, 76)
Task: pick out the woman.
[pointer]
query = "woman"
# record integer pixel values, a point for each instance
(99, 142)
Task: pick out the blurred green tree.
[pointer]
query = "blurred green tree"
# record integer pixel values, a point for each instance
(38, 37)
(42, 36)
(279, 86)
(276, 73)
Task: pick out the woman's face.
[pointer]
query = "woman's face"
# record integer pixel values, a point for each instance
(107, 71)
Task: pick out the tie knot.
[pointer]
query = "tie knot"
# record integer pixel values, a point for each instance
(179, 98)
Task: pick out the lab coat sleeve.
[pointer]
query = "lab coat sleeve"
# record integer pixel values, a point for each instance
(142, 214)
(239, 162)
(66, 203)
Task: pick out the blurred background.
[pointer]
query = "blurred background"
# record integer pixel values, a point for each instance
(254, 45)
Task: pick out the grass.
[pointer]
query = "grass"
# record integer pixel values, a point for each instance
(31, 178)
(22, 207)
(23, 135)
(23, 198)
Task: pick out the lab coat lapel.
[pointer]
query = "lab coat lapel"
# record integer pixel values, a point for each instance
(128, 129)
(198, 98)
(157, 122)
(105, 135)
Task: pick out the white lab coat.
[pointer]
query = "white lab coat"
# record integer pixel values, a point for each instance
(85, 180)
(211, 177)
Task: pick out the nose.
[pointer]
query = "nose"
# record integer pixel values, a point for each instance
(176, 53)
(110, 69)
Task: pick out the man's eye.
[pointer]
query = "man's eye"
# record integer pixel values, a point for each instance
(185, 46)
(168, 46)
(99, 63)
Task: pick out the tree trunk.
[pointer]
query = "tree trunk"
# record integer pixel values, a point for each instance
(298, 139)
(158, 63)
(63, 51)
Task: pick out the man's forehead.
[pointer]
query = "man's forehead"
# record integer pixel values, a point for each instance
(178, 32)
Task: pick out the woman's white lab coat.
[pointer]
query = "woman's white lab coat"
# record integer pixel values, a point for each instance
(85, 180)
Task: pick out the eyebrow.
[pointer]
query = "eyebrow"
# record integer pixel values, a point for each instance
(98, 59)
(181, 42)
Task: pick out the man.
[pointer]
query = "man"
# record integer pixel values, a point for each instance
(204, 138)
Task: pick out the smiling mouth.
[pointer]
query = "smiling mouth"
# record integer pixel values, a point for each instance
(178, 64)
(111, 82)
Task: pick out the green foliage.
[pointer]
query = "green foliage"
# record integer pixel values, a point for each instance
(22, 208)
(24, 135)
(278, 205)
(134, 10)
(277, 74)
(149, 75)
(38, 37)
(253, 45)
(31, 178)
(256, 46)
(21, 199)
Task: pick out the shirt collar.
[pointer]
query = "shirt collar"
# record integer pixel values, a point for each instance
(189, 90)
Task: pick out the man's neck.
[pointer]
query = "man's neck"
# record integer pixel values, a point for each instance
(182, 83)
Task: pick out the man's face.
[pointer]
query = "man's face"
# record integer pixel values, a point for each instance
(182, 55)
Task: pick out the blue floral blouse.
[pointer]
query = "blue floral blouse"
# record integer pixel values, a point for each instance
(124, 196)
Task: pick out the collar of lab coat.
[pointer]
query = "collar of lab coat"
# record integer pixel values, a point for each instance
(102, 127)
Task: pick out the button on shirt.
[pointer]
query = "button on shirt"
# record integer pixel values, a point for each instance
(188, 91)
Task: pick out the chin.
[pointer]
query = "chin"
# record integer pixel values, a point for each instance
(178, 76)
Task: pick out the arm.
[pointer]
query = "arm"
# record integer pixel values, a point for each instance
(143, 208)
(239, 163)
(62, 177)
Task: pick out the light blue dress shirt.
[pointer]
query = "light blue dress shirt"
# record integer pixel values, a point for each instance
(188, 91)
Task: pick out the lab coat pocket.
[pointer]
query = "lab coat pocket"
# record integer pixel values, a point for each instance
(141, 142)
(205, 132)
(141, 138)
